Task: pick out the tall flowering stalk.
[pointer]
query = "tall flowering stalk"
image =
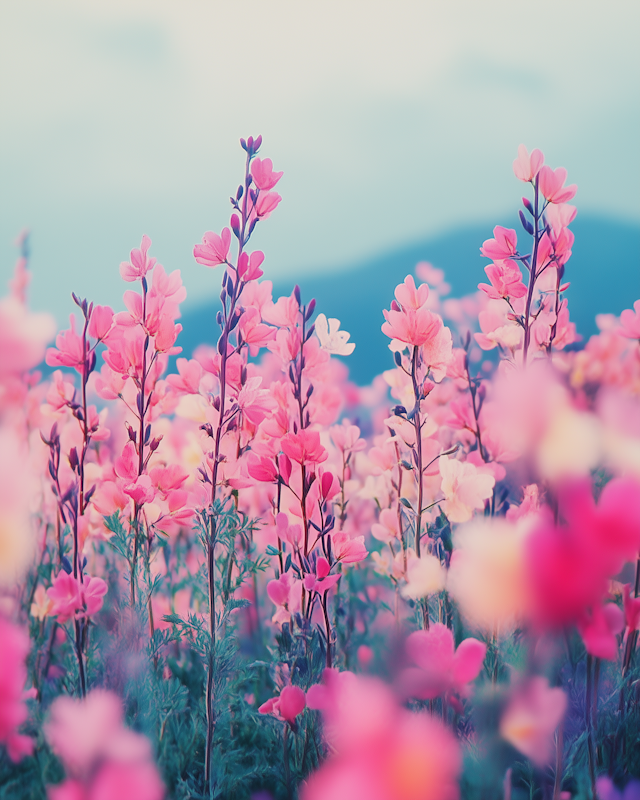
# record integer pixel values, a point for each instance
(253, 201)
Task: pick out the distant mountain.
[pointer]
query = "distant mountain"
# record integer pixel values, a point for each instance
(604, 272)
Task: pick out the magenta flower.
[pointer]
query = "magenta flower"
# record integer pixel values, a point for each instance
(442, 669)
(13, 675)
(140, 263)
(599, 629)
(287, 706)
(304, 447)
(320, 582)
(214, 249)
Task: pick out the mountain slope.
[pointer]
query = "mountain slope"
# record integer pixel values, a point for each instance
(604, 272)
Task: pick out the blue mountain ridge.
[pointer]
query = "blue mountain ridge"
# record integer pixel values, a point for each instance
(604, 271)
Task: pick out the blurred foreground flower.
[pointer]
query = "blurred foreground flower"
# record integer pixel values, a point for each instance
(382, 751)
(103, 758)
(13, 674)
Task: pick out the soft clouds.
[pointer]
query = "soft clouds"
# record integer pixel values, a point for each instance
(389, 120)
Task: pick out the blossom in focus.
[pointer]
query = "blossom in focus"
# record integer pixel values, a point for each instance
(69, 596)
(333, 340)
(526, 166)
(13, 675)
(263, 175)
(287, 706)
(214, 249)
(140, 263)
(552, 186)
(531, 718)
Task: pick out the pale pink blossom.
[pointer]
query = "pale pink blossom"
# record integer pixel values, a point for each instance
(503, 246)
(525, 166)
(465, 488)
(411, 327)
(531, 718)
(214, 249)
(333, 340)
(630, 322)
(552, 186)
(140, 263)
(409, 296)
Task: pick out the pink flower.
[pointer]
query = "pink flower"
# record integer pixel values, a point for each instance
(262, 468)
(412, 327)
(214, 249)
(70, 597)
(333, 340)
(346, 549)
(630, 321)
(13, 675)
(140, 263)
(68, 351)
(249, 268)
(287, 706)
(506, 281)
(103, 757)
(526, 166)
(533, 714)
(551, 184)
(409, 296)
(320, 582)
(631, 609)
(465, 488)
(599, 629)
(100, 322)
(266, 204)
(503, 246)
(442, 667)
(304, 447)
(379, 750)
(263, 175)
(255, 333)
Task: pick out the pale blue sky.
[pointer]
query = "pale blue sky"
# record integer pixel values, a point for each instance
(391, 120)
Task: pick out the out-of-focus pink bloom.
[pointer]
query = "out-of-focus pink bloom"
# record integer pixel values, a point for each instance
(531, 717)
(346, 437)
(263, 175)
(380, 750)
(530, 503)
(503, 246)
(365, 655)
(599, 629)
(284, 593)
(630, 322)
(304, 447)
(214, 249)
(386, 529)
(70, 597)
(525, 166)
(606, 790)
(506, 281)
(41, 605)
(465, 488)
(287, 706)
(140, 263)
(255, 403)
(552, 186)
(141, 491)
(411, 327)
(441, 667)
(332, 340)
(13, 675)
(346, 549)
(103, 758)
(189, 375)
(631, 609)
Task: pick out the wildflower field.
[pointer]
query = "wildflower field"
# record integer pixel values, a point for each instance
(240, 575)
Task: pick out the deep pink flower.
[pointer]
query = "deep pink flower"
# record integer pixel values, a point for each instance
(320, 582)
(267, 204)
(287, 706)
(70, 597)
(140, 263)
(631, 609)
(13, 675)
(304, 447)
(552, 186)
(599, 629)
(214, 249)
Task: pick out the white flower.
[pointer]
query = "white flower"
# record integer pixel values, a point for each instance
(334, 341)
